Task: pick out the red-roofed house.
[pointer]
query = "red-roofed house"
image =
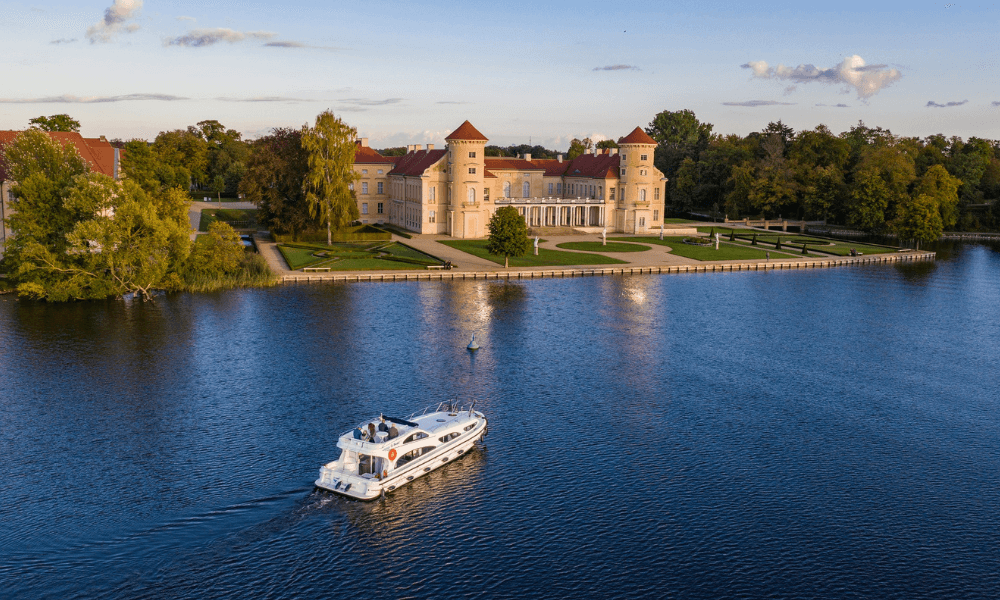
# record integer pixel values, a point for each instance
(454, 191)
(98, 152)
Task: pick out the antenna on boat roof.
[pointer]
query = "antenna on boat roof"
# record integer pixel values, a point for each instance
(470, 407)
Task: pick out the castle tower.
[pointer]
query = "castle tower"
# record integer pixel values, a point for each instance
(642, 208)
(466, 167)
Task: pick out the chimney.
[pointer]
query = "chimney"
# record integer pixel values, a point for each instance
(527, 157)
(418, 147)
(613, 151)
(364, 142)
(409, 148)
(430, 147)
(559, 157)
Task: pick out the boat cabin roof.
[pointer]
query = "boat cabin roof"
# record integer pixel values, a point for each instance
(428, 423)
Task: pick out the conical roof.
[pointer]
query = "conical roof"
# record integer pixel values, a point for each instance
(466, 131)
(638, 136)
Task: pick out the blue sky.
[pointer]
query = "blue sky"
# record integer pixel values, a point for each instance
(410, 72)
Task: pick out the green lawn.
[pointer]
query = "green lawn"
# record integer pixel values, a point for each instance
(597, 247)
(545, 258)
(356, 256)
(725, 251)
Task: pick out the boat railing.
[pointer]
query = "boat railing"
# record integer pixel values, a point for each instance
(443, 407)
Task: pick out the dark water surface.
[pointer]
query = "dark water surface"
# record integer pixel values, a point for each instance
(799, 434)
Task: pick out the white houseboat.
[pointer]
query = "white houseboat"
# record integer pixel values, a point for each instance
(384, 454)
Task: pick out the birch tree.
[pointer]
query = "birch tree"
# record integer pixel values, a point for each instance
(330, 146)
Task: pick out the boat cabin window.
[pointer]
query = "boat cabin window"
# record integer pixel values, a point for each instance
(416, 436)
(449, 437)
(412, 454)
(370, 464)
(470, 427)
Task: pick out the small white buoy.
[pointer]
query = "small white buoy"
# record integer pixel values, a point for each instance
(473, 346)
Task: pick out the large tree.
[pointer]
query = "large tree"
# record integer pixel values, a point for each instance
(62, 122)
(918, 219)
(508, 234)
(274, 181)
(330, 146)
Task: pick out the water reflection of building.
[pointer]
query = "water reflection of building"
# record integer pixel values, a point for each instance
(454, 190)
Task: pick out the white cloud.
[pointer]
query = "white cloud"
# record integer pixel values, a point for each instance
(115, 21)
(69, 99)
(196, 38)
(183, 18)
(853, 73)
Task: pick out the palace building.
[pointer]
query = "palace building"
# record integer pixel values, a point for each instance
(455, 190)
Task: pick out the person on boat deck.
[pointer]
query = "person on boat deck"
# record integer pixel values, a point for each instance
(382, 426)
(371, 431)
(358, 434)
(393, 432)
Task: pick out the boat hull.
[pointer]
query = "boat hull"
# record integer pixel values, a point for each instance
(367, 489)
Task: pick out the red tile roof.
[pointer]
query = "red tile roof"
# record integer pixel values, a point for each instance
(553, 168)
(512, 164)
(99, 154)
(638, 136)
(414, 164)
(365, 155)
(466, 131)
(602, 166)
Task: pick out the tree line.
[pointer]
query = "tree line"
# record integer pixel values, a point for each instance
(866, 178)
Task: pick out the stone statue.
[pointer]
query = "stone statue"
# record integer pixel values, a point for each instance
(536, 245)
(604, 236)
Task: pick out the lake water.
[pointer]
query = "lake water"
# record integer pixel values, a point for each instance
(798, 434)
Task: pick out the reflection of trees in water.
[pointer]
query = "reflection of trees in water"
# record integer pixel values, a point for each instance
(505, 294)
(916, 272)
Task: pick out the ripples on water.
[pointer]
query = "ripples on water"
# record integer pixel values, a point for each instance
(791, 434)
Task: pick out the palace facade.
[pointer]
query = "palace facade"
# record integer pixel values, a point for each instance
(456, 189)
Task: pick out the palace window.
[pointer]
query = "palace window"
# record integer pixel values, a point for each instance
(656, 215)
(643, 157)
(526, 190)
(364, 171)
(472, 170)
(642, 195)
(430, 216)
(486, 194)
(656, 195)
(559, 189)
(600, 192)
(380, 189)
(550, 189)
(506, 189)
(364, 187)
(379, 208)
(380, 171)
(642, 221)
(623, 158)
(642, 171)
(472, 195)
(364, 208)
(472, 155)
(433, 193)
(350, 186)
(612, 191)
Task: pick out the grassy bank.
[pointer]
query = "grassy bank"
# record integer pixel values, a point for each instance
(545, 258)
(356, 256)
(598, 247)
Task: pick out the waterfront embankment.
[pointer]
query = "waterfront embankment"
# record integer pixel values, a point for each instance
(657, 261)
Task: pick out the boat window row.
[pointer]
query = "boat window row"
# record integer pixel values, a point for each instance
(449, 437)
(413, 454)
(414, 437)
(470, 427)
